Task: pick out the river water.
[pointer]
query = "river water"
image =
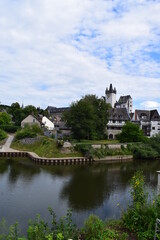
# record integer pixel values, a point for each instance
(27, 189)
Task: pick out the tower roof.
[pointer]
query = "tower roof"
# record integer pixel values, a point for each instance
(111, 90)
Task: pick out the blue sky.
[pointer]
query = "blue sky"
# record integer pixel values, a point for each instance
(54, 52)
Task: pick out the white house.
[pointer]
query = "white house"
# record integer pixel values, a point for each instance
(47, 123)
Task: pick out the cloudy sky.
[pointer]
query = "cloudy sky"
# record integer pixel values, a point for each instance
(53, 52)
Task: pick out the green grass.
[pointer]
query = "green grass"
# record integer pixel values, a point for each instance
(97, 142)
(45, 147)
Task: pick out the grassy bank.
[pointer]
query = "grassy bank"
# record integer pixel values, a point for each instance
(44, 147)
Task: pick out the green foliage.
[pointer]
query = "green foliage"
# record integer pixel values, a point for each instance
(143, 151)
(150, 148)
(30, 109)
(95, 229)
(17, 113)
(24, 133)
(88, 118)
(64, 228)
(28, 131)
(44, 147)
(38, 229)
(131, 133)
(85, 149)
(3, 135)
(9, 128)
(5, 118)
(140, 217)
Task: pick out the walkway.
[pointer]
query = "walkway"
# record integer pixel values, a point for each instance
(6, 146)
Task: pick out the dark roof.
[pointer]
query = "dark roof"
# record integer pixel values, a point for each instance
(110, 90)
(124, 99)
(119, 114)
(147, 115)
(51, 109)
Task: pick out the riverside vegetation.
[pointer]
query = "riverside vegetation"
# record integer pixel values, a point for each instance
(137, 222)
(148, 148)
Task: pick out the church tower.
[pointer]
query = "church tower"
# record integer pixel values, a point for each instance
(110, 95)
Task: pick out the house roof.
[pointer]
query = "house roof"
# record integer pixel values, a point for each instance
(147, 115)
(51, 109)
(119, 114)
(124, 99)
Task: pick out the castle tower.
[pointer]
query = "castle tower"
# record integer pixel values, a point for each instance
(110, 95)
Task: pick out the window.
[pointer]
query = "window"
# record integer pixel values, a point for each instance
(153, 128)
(34, 119)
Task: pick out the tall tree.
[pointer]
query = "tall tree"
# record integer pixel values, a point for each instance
(17, 113)
(5, 118)
(88, 117)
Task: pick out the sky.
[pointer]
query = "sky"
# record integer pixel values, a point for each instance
(53, 52)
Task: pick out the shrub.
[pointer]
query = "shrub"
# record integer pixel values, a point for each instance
(3, 135)
(94, 228)
(140, 217)
(28, 131)
(9, 128)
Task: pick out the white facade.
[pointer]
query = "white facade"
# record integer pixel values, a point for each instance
(47, 123)
(155, 128)
(111, 99)
(110, 96)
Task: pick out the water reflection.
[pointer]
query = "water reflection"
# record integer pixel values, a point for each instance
(27, 189)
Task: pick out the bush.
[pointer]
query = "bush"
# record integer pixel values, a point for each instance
(3, 135)
(140, 217)
(143, 151)
(94, 228)
(28, 131)
(9, 128)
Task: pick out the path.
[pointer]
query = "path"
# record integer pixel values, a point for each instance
(6, 146)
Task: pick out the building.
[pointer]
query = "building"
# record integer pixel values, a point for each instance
(30, 120)
(110, 95)
(117, 119)
(56, 114)
(125, 102)
(47, 123)
(148, 120)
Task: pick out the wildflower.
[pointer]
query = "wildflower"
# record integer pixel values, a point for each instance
(117, 204)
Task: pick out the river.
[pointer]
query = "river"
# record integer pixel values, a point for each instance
(27, 189)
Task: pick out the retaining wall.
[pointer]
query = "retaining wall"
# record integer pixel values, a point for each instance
(35, 158)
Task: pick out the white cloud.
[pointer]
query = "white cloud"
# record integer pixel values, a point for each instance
(150, 105)
(53, 52)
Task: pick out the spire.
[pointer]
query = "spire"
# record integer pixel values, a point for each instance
(111, 90)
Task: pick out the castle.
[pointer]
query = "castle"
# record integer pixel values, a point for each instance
(123, 102)
(121, 112)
